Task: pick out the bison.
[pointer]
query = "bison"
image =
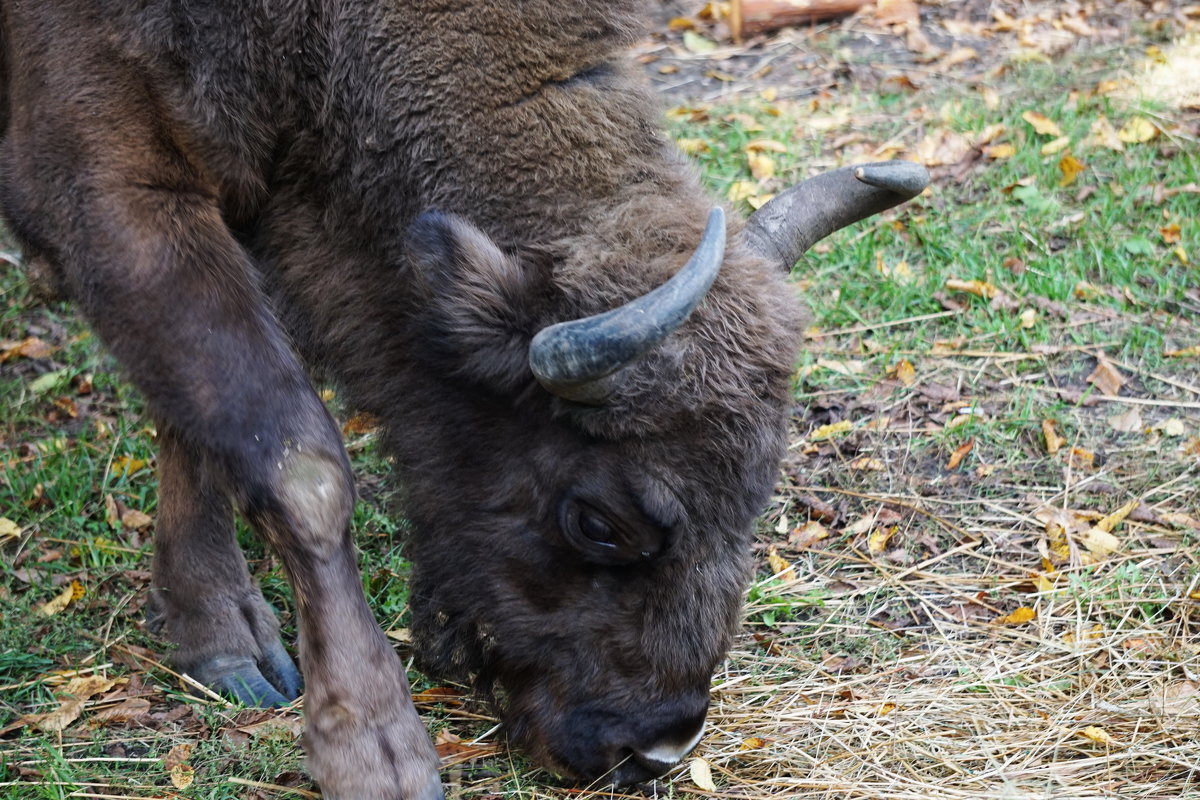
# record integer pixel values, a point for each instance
(466, 216)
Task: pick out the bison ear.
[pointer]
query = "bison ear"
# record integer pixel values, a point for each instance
(477, 315)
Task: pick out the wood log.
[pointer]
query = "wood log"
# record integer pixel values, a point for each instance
(748, 17)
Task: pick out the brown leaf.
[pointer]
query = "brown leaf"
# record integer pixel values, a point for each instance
(1053, 441)
(135, 520)
(131, 709)
(1106, 378)
(959, 454)
(1070, 168)
(807, 535)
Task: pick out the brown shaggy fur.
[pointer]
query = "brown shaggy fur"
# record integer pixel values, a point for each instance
(403, 192)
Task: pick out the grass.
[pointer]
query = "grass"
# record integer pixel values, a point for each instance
(916, 630)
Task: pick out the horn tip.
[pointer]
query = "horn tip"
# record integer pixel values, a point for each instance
(906, 178)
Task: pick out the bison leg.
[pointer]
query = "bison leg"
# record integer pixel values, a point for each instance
(99, 184)
(203, 598)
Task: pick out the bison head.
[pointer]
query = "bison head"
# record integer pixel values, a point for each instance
(591, 432)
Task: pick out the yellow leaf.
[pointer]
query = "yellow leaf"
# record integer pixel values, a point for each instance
(977, 288)
(765, 146)
(1070, 167)
(762, 166)
(1019, 617)
(127, 465)
(1181, 254)
(677, 24)
(402, 635)
(1099, 542)
(1170, 233)
(701, 774)
(1042, 124)
(1097, 735)
(8, 530)
(998, 152)
(780, 566)
(1137, 130)
(808, 535)
(60, 603)
(692, 146)
(1117, 517)
(1186, 352)
(865, 464)
(1028, 318)
(1055, 146)
(759, 200)
(991, 98)
(1053, 440)
(905, 373)
(879, 538)
(753, 743)
(182, 776)
(831, 430)
(1081, 458)
(741, 190)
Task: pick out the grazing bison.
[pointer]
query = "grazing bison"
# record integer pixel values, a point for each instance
(466, 214)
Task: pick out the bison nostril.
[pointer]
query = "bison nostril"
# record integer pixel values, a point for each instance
(666, 754)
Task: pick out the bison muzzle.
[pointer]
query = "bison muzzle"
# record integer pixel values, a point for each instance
(467, 217)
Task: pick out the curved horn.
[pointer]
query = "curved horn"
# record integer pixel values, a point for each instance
(800, 217)
(573, 359)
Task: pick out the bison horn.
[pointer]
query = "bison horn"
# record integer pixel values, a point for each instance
(784, 228)
(575, 359)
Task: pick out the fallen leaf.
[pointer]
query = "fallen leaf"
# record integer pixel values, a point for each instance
(807, 535)
(73, 592)
(1114, 519)
(1106, 378)
(127, 465)
(1028, 318)
(780, 567)
(1097, 734)
(179, 754)
(131, 709)
(998, 152)
(977, 288)
(1103, 134)
(1170, 233)
(135, 520)
(897, 12)
(1081, 458)
(1099, 543)
(1173, 427)
(905, 372)
(1053, 441)
(1019, 617)
(1186, 352)
(182, 776)
(695, 43)
(741, 190)
(1042, 124)
(762, 167)
(1070, 168)
(701, 774)
(879, 538)
(1127, 422)
(73, 696)
(1055, 146)
(752, 743)
(9, 530)
(831, 430)
(866, 464)
(1137, 130)
(959, 454)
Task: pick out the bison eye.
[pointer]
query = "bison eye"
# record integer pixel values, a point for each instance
(596, 528)
(605, 539)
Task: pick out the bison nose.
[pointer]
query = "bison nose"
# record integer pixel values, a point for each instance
(645, 763)
(667, 753)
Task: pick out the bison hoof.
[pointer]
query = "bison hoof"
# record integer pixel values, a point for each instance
(269, 682)
(351, 760)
